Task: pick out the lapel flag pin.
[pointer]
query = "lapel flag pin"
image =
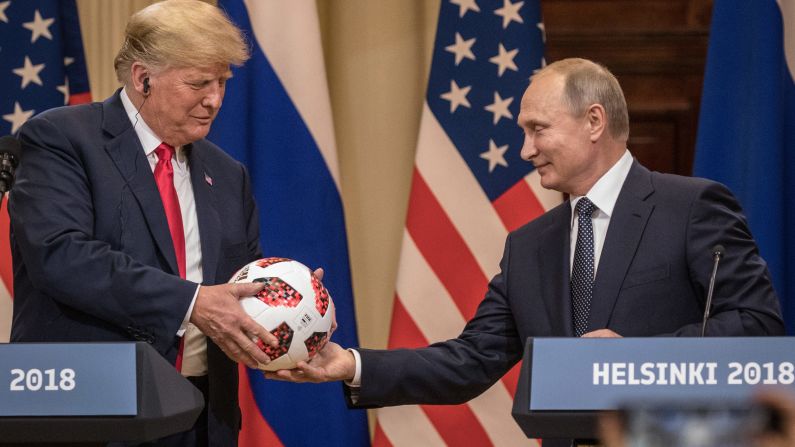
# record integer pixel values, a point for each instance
(208, 179)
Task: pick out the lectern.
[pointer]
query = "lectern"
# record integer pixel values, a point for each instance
(91, 393)
(564, 382)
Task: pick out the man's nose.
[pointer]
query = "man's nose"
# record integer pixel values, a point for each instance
(528, 148)
(213, 98)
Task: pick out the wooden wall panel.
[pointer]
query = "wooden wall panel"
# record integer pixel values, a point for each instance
(657, 50)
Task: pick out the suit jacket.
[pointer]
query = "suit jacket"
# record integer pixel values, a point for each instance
(652, 279)
(93, 257)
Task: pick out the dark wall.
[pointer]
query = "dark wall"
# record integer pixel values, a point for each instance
(657, 49)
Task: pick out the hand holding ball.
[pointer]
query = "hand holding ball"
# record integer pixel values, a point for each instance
(294, 306)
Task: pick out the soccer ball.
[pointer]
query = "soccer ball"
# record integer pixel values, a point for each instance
(294, 306)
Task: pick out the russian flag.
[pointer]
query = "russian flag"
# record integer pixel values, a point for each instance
(276, 119)
(746, 131)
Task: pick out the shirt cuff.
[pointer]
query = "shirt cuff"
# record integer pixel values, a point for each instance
(184, 326)
(356, 382)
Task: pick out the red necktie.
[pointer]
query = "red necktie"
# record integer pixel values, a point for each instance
(164, 177)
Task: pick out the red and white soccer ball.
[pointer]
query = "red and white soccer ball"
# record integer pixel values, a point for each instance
(294, 306)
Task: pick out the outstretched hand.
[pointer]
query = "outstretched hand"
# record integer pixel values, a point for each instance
(329, 364)
(219, 315)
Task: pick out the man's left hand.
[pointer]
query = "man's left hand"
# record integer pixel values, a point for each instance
(601, 333)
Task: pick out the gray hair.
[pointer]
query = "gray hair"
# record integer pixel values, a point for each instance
(587, 83)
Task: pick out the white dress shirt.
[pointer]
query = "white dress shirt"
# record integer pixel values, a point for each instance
(604, 194)
(194, 356)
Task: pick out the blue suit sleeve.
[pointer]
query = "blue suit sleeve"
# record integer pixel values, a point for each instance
(453, 371)
(744, 302)
(53, 215)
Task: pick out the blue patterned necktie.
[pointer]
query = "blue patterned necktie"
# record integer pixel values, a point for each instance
(582, 274)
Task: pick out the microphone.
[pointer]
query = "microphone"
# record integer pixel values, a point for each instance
(717, 253)
(9, 159)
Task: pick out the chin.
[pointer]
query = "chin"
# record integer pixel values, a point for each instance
(198, 134)
(548, 183)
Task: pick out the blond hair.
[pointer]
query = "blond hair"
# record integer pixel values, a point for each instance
(587, 83)
(179, 34)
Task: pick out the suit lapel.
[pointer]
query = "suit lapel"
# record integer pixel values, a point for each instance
(127, 154)
(206, 212)
(621, 243)
(554, 268)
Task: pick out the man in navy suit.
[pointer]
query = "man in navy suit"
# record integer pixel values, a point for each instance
(124, 217)
(639, 267)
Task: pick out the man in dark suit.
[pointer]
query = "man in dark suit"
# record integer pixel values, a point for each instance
(629, 254)
(124, 217)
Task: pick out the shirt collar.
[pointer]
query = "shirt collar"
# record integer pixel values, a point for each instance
(604, 193)
(149, 140)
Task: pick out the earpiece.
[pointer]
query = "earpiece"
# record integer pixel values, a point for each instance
(146, 86)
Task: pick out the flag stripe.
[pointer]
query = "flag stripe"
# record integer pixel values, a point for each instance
(457, 425)
(457, 189)
(425, 299)
(281, 28)
(406, 334)
(447, 254)
(407, 426)
(6, 307)
(428, 305)
(79, 98)
(518, 205)
(511, 379)
(6, 272)
(379, 438)
(6, 276)
(464, 425)
(255, 430)
(492, 409)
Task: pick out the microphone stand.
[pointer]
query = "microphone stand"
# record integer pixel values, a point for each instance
(717, 253)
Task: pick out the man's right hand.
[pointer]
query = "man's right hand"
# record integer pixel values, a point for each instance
(329, 364)
(219, 315)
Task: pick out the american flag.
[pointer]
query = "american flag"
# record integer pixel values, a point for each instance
(41, 66)
(469, 189)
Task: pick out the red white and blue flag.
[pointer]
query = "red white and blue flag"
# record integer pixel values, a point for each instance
(469, 189)
(276, 119)
(41, 66)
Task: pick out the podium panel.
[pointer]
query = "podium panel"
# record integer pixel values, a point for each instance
(564, 382)
(164, 402)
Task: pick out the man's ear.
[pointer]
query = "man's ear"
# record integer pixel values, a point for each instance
(139, 77)
(597, 121)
